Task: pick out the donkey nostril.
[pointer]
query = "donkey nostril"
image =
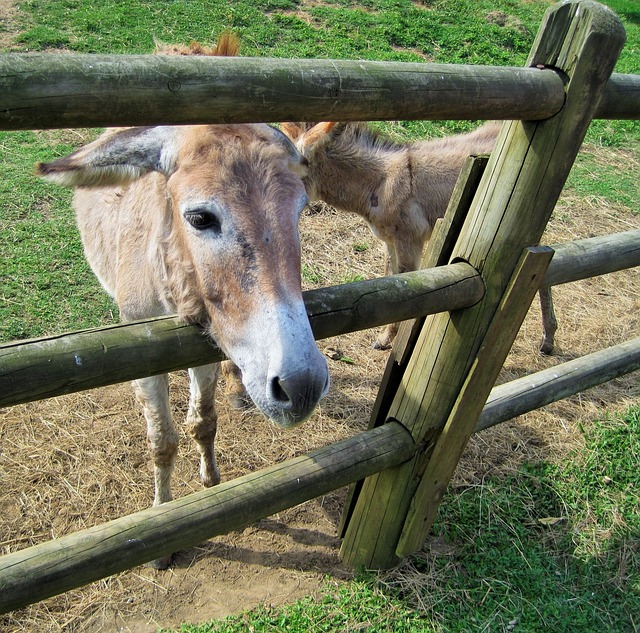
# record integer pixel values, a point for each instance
(277, 391)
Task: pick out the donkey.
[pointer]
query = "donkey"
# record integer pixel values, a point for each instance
(400, 190)
(202, 221)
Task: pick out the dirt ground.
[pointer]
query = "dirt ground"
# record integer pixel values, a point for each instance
(75, 461)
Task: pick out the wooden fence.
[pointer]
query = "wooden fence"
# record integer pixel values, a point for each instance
(438, 385)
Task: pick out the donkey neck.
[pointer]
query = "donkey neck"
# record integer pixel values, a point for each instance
(354, 171)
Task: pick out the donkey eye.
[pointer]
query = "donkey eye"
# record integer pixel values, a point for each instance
(203, 220)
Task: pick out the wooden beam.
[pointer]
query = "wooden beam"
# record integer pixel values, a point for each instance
(593, 256)
(72, 362)
(550, 385)
(438, 253)
(520, 187)
(67, 363)
(448, 446)
(40, 90)
(620, 99)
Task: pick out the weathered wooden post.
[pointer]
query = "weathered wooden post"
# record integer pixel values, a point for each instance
(458, 355)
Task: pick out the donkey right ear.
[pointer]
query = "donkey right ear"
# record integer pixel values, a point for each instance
(116, 158)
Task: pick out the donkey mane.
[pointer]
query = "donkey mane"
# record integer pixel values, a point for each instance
(227, 45)
(363, 135)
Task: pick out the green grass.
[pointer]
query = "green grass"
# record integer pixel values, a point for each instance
(376, 29)
(578, 574)
(600, 174)
(47, 286)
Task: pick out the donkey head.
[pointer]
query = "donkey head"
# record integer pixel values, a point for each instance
(326, 156)
(233, 195)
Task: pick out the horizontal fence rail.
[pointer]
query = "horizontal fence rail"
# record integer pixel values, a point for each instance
(31, 370)
(64, 364)
(620, 99)
(45, 570)
(550, 385)
(39, 90)
(593, 256)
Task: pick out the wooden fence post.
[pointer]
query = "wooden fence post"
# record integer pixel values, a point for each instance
(444, 379)
(438, 253)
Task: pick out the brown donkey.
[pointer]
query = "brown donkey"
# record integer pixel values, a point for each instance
(202, 221)
(400, 190)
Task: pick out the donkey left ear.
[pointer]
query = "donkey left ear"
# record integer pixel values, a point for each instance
(321, 133)
(115, 158)
(292, 130)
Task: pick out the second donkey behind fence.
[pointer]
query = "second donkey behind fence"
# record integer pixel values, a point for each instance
(399, 189)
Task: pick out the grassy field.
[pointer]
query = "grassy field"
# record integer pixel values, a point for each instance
(551, 547)
(453, 31)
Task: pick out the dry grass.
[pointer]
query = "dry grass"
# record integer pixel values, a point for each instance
(75, 461)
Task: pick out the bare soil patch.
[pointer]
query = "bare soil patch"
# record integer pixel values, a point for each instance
(7, 15)
(76, 461)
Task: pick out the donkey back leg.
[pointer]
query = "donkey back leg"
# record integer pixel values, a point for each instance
(202, 419)
(549, 321)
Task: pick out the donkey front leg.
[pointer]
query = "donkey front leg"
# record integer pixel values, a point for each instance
(202, 419)
(153, 395)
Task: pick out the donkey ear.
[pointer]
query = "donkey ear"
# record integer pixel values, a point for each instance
(292, 130)
(321, 133)
(115, 158)
(296, 162)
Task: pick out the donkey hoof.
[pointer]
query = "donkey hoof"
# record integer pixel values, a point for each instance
(160, 563)
(546, 347)
(210, 478)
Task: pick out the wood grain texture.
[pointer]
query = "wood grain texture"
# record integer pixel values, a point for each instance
(593, 256)
(440, 463)
(64, 364)
(550, 385)
(39, 90)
